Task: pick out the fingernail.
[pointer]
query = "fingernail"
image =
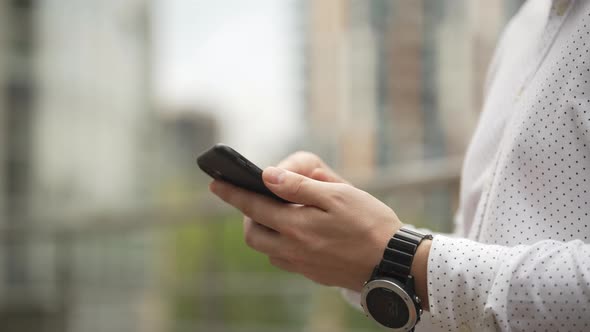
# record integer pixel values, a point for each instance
(274, 175)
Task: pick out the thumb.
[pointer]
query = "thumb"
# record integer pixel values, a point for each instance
(296, 188)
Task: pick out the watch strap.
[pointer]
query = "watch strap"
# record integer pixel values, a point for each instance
(399, 254)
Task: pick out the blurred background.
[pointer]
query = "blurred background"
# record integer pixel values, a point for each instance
(105, 221)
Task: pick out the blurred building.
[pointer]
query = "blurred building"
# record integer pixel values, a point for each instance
(93, 104)
(184, 134)
(23, 303)
(393, 81)
(75, 112)
(3, 136)
(393, 93)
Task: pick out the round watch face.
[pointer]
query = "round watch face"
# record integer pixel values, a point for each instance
(387, 308)
(389, 304)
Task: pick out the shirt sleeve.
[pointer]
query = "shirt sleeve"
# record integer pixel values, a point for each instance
(544, 286)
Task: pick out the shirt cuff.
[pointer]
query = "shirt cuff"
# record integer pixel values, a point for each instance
(352, 297)
(460, 274)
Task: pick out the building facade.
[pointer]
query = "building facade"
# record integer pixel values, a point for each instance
(392, 81)
(75, 117)
(396, 85)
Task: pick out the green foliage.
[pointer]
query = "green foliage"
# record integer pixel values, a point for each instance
(206, 260)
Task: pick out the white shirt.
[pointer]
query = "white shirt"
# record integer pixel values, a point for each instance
(520, 258)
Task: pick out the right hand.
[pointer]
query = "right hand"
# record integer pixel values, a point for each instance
(303, 163)
(311, 166)
(333, 234)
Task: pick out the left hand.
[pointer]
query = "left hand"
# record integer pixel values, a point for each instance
(336, 236)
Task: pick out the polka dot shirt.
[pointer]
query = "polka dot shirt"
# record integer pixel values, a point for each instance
(520, 259)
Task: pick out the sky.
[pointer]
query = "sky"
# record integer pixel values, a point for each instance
(237, 60)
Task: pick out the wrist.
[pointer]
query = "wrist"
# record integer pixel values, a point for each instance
(380, 242)
(392, 296)
(419, 271)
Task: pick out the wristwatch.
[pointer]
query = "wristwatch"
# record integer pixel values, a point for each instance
(388, 297)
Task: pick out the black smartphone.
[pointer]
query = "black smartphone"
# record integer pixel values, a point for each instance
(224, 163)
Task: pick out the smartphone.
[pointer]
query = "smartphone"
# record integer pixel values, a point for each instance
(224, 163)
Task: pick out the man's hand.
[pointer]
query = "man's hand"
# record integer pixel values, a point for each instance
(335, 235)
(311, 166)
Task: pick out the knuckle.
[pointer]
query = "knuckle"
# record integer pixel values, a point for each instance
(248, 208)
(306, 158)
(293, 231)
(250, 239)
(278, 262)
(316, 247)
(282, 264)
(305, 155)
(292, 256)
(340, 193)
(297, 185)
(246, 225)
(288, 230)
(247, 221)
(220, 190)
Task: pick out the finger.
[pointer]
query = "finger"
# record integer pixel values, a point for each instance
(266, 211)
(321, 174)
(310, 165)
(282, 264)
(261, 238)
(301, 162)
(246, 218)
(298, 188)
(249, 203)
